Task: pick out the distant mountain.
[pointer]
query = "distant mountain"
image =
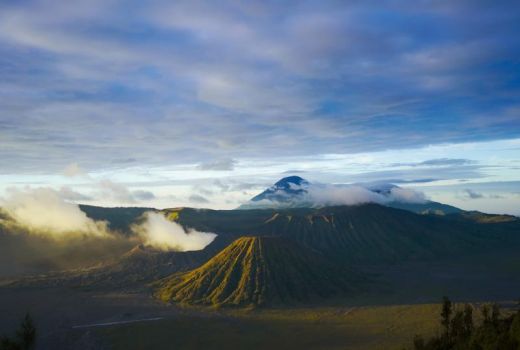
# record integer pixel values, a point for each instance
(255, 271)
(360, 233)
(293, 192)
(292, 186)
(286, 193)
(428, 207)
(120, 219)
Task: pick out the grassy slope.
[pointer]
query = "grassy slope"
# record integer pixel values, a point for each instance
(389, 327)
(257, 271)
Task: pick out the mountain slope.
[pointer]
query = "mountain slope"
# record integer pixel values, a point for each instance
(258, 271)
(296, 192)
(362, 233)
(131, 271)
(288, 192)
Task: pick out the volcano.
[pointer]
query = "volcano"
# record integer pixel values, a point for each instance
(256, 271)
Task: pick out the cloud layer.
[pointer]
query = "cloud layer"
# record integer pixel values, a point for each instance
(102, 85)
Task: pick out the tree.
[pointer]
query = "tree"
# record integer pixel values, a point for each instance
(446, 315)
(27, 333)
(8, 344)
(484, 309)
(496, 332)
(468, 320)
(25, 338)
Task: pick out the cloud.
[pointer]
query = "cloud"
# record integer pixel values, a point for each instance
(221, 165)
(69, 194)
(72, 170)
(142, 195)
(123, 160)
(322, 195)
(44, 212)
(120, 193)
(473, 194)
(196, 198)
(446, 162)
(327, 195)
(160, 233)
(406, 195)
(115, 191)
(438, 162)
(287, 82)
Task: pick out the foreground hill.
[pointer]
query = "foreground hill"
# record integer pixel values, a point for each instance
(259, 271)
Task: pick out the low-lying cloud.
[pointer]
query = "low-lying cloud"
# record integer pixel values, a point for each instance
(45, 212)
(325, 195)
(406, 195)
(322, 195)
(160, 233)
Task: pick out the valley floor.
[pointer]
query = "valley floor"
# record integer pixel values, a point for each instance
(322, 328)
(399, 305)
(71, 319)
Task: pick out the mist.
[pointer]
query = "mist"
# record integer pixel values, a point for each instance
(160, 233)
(319, 195)
(43, 212)
(326, 195)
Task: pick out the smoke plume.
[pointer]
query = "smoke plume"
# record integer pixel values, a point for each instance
(158, 232)
(44, 212)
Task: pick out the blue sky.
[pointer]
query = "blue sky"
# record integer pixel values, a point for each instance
(168, 103)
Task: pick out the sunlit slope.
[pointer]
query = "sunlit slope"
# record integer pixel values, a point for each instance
(259, 271)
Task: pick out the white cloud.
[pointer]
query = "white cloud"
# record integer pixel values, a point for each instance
(72, 170)
(407, 195)
(220, 164)
(69, 194)
(44, 212)
(158, 232)
(326, 195)
(119, 193)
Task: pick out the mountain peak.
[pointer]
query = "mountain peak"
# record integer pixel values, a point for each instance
(285, 190)
(296, 180)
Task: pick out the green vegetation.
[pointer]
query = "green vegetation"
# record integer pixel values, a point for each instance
(258, 271)
(459, 331)
(24, 339)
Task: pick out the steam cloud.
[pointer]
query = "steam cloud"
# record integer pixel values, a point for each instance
(44, 212)
(160, 233)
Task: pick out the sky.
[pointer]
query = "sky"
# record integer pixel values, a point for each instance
(205, 103)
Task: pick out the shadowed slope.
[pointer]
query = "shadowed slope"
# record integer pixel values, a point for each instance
(368, 233)
(259, 271)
